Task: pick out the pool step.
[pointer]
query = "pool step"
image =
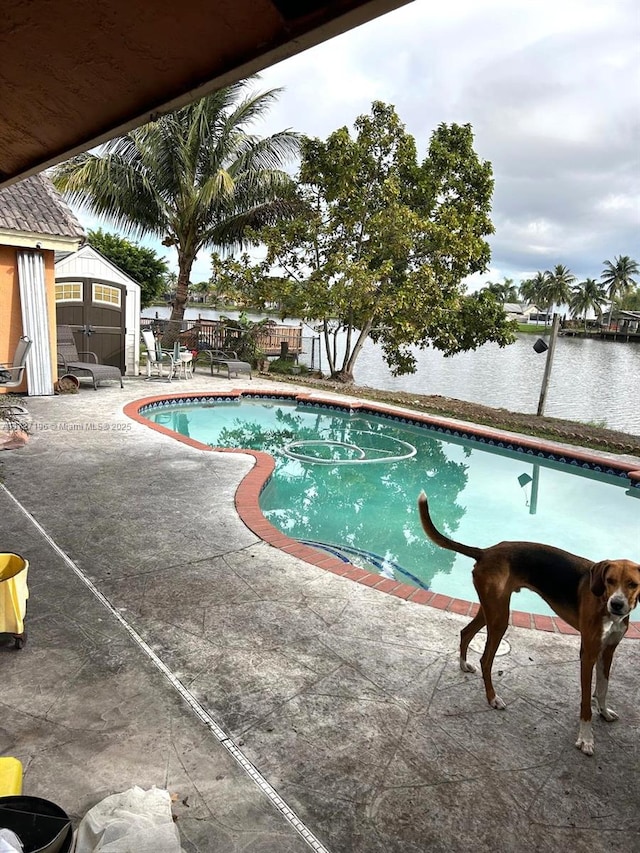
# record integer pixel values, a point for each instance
(367, 560)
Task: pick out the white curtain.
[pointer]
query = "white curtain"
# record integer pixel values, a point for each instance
(35, 322)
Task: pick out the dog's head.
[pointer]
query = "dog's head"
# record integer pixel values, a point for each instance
(618, 581)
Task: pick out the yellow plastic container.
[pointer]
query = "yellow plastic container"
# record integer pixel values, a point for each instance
(10, 777)
(14, 593)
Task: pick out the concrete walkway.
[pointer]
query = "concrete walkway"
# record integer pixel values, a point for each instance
(287, 708)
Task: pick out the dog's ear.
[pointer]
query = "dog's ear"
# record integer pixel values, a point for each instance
(598, 571)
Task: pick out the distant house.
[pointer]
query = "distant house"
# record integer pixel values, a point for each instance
(626, 321)
(520, 311)
(35, 225)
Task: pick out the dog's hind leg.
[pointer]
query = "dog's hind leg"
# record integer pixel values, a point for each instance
(466, 635)
(497, 623)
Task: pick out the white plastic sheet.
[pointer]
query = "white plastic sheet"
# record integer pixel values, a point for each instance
(9, 842)
(134, 821)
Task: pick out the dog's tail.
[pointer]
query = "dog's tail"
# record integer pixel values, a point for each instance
(439, 538)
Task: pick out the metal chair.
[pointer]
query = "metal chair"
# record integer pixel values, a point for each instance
(11, 375)
(157, 357)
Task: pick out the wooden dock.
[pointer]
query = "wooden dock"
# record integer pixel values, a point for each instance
(622, 336)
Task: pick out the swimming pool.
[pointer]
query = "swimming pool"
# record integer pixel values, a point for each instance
(346, 480)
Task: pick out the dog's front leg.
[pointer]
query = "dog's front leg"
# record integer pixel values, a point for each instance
(585, 731)
(603, 668)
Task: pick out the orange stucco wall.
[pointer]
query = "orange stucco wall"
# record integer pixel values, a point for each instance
(10, 310)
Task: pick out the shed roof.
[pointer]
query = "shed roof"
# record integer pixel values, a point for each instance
(88, 262)
(34, 207)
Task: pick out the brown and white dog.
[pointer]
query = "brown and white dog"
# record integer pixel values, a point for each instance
(594, 598)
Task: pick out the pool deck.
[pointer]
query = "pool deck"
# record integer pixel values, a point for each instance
(287, 707)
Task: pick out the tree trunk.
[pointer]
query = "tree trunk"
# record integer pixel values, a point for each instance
(327, 347)
(342, 376)
(351, 357)
(174, 326)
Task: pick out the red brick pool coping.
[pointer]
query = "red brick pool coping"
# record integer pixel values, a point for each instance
(248, 495)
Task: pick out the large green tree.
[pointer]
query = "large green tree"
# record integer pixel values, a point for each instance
(139, 262)
(617, 278)
(237, 280)
(385, 242)
(195, 177)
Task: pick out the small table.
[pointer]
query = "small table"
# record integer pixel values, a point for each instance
(185, 365)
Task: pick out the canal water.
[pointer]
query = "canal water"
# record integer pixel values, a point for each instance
(591, 380)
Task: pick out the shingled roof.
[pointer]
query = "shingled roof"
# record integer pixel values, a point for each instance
(34, 206)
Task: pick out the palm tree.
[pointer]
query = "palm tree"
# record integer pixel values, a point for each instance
(505, 291)
(195, 177)
(534, 290)
(617, 277)
(587, 296)
(558, 286)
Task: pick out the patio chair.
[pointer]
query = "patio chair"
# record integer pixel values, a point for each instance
(89, 366)
(228, 359)
(157, 357)
(11, 375)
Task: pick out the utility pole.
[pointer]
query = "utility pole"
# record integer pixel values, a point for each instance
(547, 368)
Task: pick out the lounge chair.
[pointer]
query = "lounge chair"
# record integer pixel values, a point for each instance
(69, 359)
(226, 359)
(11, 375)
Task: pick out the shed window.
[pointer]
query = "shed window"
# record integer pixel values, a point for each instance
(106, 294)
(69, 291)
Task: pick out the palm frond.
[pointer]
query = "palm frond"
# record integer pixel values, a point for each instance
(197, 175)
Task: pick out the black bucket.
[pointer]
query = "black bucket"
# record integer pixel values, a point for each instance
(41, 826)
(540, 346)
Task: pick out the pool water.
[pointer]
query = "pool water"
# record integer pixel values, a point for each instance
(348, 483)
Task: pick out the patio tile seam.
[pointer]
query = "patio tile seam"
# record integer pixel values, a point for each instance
(186, 695)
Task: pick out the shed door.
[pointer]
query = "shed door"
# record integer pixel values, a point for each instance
(95, 310)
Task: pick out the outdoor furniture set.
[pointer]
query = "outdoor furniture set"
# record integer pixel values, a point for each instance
(180, 362)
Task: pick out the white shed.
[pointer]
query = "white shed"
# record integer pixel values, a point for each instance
(87, 264)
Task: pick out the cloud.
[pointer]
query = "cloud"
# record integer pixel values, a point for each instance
(552, 90)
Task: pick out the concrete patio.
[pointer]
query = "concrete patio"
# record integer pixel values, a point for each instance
(287, 708)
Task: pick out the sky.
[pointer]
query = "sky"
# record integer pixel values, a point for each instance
(551, 89)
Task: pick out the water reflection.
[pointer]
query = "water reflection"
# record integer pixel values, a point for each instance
(478, 494)
(530, 486)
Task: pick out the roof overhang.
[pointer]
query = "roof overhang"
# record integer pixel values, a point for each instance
(26, 240)
(75, 73)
